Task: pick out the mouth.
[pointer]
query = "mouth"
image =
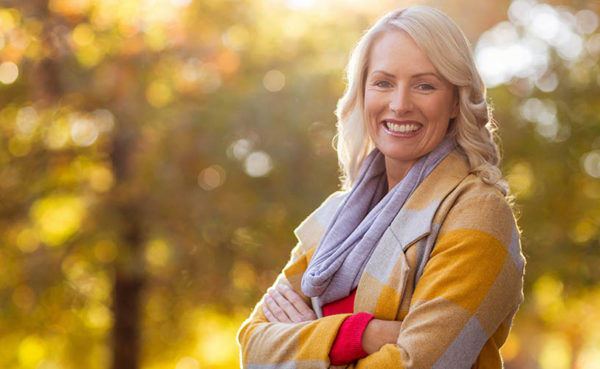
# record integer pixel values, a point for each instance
(402, 128)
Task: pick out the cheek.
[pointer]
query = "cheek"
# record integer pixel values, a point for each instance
(369, 119)
(372, 104)
(440, 111)
(367, 103)
(451, 106)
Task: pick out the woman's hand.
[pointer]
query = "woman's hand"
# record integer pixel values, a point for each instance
(379, 333)
(284, 305)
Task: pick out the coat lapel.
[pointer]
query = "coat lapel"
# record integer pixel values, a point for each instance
(312, 229)
(415, 218)
(383, 281)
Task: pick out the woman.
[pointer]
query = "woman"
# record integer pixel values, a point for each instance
(418, 263)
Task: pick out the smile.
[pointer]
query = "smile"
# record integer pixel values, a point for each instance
(402, 129)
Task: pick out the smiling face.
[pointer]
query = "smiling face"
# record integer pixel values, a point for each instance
(408, 104)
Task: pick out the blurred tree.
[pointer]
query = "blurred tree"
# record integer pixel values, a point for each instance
(543, 66)
(155, 156)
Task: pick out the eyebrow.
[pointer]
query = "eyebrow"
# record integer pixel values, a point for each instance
(413, 76)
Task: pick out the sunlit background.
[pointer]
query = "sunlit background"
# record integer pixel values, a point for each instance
(155, 156)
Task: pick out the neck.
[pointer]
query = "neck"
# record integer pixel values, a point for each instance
(396, 171)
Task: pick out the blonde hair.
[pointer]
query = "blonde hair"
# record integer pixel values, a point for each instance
(444, 43)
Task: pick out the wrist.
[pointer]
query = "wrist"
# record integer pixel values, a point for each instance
(379, 333)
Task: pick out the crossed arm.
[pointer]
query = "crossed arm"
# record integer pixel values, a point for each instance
(284, 305)
(462, 306)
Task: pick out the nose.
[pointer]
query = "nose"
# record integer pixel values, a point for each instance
(400, 101)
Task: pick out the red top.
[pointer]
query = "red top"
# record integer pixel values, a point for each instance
(347, 346)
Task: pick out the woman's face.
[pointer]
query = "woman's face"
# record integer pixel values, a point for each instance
(408, 104)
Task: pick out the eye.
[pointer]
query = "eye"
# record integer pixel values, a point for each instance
(381, 84)
(425, 87)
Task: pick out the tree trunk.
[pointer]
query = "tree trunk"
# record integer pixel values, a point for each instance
(126, 330)
(129, 276)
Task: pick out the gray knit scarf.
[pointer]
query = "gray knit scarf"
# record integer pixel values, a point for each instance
(359, 223)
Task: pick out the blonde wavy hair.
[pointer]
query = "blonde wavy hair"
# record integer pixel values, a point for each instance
(444, 43)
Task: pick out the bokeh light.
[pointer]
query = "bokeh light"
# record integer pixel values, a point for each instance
(211, 177)
(9, 72)
(32, 350)
(543, 114)
(27, 120)
(104, 119)
(83, 131)
(236, 37)
(105, 251)
(101, 178)
(27, 240)
(83, 35)
(159, 94)
(555, 353)
(57, 217)
(258, 164)
(521, 48)
(239, 149)
(591, 163)
(521, 179)
(158, 253)
(155, 152)
(57, 134)
(274, 80)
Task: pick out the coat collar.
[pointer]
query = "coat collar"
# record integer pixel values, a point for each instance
(414, 219)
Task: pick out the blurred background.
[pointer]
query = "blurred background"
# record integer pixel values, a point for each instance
(155, 156)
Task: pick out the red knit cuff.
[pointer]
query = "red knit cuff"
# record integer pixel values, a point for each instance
(347, 346)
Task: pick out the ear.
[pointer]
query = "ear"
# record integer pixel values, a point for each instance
(455, 106)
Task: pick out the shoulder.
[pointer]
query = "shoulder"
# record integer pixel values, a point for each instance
(461, 199)
(310, 231)
(479, 210)
(473, 197)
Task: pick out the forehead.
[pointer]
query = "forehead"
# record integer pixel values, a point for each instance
(395, 51)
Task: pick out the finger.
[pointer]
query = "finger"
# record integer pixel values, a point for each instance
(305, 311)
(268, 314)
(276, 310)
(277, 315)
(294, 298)
(286, 306)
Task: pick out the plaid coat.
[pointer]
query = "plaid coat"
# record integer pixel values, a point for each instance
(449, 267)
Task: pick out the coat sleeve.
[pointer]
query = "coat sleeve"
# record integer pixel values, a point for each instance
(293, 345)
(288, 345)
(462, 307)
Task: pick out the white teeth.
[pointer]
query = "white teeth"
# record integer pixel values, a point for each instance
(402, 128)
